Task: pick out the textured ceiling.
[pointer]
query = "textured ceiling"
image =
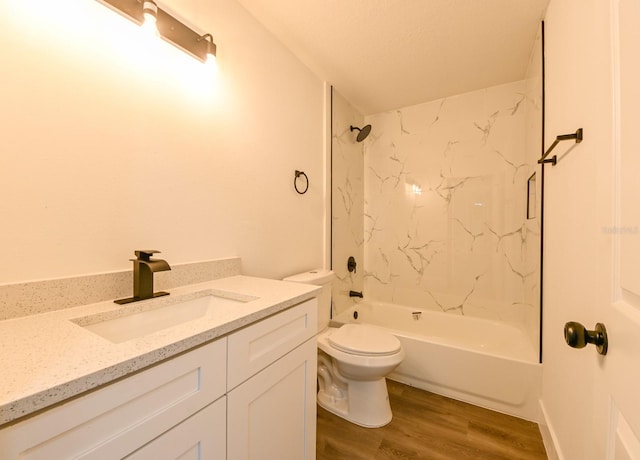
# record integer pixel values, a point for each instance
(386, 54)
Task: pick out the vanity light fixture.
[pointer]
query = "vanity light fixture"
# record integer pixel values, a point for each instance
(147, 13)
(211, 47)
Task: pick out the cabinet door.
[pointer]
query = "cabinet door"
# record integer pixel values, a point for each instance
(200, 437)
(273, 414)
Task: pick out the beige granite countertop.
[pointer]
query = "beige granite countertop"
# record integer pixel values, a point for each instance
(48, 358)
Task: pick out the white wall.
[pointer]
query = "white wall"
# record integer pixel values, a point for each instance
(106, 150)
(578, 95)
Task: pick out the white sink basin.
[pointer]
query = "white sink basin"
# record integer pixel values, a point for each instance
(123, 328)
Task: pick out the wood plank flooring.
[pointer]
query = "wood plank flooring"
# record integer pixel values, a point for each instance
(429, 426)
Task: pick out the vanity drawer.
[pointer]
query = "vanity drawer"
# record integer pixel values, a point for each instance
(201, 436)
(116, 420)
(255, 347)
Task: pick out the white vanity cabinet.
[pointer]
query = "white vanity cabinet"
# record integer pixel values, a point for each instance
(249, 395)
(114, 421)
(271, 400)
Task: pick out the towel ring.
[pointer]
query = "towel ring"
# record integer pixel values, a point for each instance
(295, 182)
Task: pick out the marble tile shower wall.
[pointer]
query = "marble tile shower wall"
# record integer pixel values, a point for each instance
(534, 150)
(347, 197)
(445, 224)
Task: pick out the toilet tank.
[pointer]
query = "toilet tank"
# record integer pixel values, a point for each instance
(318, 277)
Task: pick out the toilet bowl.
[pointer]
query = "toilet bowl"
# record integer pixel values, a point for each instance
(353, 361)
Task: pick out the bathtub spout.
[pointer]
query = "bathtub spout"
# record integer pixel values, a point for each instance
(355, 294)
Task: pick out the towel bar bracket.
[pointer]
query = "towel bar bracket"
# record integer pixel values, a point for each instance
(577, 136)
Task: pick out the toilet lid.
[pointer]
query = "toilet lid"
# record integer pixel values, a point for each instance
(362, 339)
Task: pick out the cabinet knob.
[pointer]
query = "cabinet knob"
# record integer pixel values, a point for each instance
(577, 336)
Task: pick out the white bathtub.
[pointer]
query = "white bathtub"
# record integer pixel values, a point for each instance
(482, 362)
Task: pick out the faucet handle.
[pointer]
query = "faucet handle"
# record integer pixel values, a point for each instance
(145, 254)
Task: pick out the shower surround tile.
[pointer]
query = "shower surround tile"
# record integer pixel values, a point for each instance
(534, 150)
(445, 223)
(347, 202)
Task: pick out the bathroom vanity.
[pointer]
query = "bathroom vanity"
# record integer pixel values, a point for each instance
(238, 382)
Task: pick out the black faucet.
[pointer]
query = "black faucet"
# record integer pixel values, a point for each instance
(355, 294)
(143, 269)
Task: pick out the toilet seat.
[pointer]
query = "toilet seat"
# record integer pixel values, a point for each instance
(364, 340)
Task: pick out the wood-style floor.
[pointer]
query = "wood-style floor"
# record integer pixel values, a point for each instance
(429, 426)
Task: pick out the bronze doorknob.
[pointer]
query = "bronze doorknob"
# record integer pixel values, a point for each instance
(577, 336)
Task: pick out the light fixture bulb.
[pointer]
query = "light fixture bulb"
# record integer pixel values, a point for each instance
(211, 64)
(211, 61)
(150, 15)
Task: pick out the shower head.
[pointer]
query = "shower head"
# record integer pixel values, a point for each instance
(364, 132)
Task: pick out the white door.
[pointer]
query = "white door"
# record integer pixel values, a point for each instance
(618, 375)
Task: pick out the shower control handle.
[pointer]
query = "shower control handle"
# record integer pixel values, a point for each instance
(577, 336)
(351, 264)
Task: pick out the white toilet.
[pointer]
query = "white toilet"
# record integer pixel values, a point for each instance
(353, 361)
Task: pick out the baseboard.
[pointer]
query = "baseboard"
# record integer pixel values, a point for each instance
(548, 436)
